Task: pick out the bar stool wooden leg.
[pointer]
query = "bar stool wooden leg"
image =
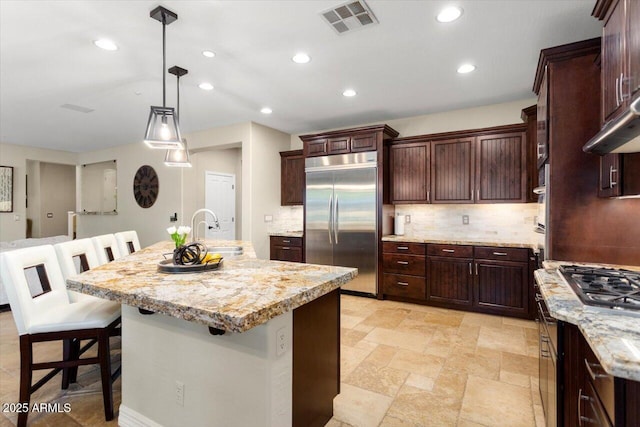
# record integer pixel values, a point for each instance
(105, 373)
(26, 360)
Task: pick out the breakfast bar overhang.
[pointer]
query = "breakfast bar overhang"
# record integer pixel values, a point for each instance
(255, 342)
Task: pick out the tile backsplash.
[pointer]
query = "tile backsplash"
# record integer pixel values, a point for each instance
(508, 223)
(287, 218)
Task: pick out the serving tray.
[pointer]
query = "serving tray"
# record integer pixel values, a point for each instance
(167, 266)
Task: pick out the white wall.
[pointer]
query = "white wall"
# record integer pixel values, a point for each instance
(266, 144)
(17, 156)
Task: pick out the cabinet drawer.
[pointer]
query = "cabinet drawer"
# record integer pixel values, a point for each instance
(504, 254)
(403, 248)
(456, 251)
(602, 382)
(286, 241)
(404, 286)
(403, 264)
(286, 253)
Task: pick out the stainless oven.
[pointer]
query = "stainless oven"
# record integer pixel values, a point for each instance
(548, 360)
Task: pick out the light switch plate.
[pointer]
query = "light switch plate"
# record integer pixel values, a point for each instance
(465, 219)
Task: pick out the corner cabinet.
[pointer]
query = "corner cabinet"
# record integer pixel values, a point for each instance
(292, 178)
(488, 165)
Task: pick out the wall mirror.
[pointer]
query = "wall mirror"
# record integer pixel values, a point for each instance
(98, 188)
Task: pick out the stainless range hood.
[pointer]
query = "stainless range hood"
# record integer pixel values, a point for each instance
(621, 135)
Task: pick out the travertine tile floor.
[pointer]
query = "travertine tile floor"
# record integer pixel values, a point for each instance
(402, 365)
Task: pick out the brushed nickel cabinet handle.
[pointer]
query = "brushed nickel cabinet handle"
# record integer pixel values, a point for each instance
(476, 269)
(403, 248)
(286, 241)
(403, 283)
(448, 250)
(470, 271)
(428, 196)
(286, 248)
(612, 170)
(500, 253)
(617, 92)
(477, 195)
(403, 262)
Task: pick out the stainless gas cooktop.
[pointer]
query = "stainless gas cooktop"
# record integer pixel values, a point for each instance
(604, 287)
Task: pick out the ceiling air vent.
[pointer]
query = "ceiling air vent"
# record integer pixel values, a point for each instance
(349, 16)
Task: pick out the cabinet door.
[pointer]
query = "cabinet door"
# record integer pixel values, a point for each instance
(410, 173)
(500, 168)
(613, 62)
(501, 287)
(452, 171)
(449, 281)
(363, 143)
(633, 45)
(291, 179)
(316, 147)
(542, 120)
(338, 145)
(609, 176)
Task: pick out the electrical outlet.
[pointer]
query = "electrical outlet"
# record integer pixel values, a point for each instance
(16, 217)
(180, 393)
(268, 218)
(281, 341)
(407, 219)
(465, 219)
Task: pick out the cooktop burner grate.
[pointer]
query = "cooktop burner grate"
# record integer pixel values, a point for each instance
(605, 287)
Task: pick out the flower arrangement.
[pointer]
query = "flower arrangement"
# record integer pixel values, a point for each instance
(179, 235)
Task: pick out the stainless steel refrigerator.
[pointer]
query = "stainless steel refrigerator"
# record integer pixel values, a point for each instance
(340, 215)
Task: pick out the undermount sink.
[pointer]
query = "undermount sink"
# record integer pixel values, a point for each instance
(226, 251)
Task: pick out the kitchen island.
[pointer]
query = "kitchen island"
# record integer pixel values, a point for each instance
(254, 343)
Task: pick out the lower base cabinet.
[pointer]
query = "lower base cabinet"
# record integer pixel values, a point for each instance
(494, 280)
(286, 249)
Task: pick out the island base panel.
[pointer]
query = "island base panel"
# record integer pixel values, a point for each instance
(316, 360)
(235, 379)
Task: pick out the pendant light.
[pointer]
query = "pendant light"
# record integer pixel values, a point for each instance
(163, 130)
(178, 157)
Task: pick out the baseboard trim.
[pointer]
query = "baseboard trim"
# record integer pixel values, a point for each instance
(127, 417)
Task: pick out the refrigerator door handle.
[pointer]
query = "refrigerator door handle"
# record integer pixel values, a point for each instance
(330, 217)
(336, 221)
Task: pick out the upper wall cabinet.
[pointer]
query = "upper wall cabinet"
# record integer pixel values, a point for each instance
(475, 166)
(292, 178)
(355, 140)
(620, 54)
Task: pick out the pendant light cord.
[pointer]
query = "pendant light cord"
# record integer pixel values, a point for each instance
(164, 60)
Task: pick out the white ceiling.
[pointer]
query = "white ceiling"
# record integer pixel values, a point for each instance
(402, 67)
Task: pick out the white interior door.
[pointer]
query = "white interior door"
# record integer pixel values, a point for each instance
(220, 197)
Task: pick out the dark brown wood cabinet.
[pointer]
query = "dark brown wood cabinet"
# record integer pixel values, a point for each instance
(501, 283)
(284, 248)
(410, 171)
(404, 270)
(292, 178)
(345, 141)
(449, 276)
(452, 165)
(501, 172)
(542, 120)
(588, 395)
(488, 165)
(530, 117)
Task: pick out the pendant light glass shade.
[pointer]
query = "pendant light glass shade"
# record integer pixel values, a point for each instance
(163, 131)
(178, 158)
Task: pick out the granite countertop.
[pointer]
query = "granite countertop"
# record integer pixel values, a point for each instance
(245, 292)
(613, 336)
(287, 233)
(394, 238)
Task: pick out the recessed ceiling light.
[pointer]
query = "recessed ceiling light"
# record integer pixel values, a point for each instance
(105, 44)
(349, 93)
(205, 86)
(466, 68)
(301, 58)
(208, 53)
(266, 110)
(449, 14)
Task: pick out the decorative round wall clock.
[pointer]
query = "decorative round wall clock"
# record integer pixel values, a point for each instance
(146, 186)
